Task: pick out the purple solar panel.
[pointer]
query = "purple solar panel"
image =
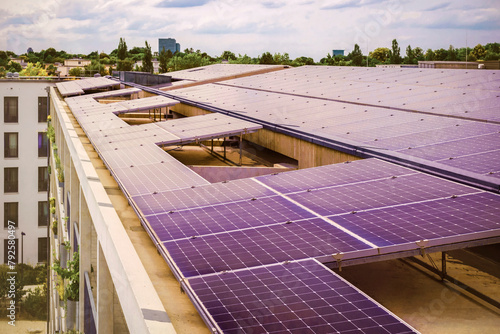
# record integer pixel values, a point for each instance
(297, 297)
(225, 217)
(333, 175)
(157, 177)
(259, 246)
(212, 194)
(379, 193)
(482, 163)
(439, 219)
(457, 148)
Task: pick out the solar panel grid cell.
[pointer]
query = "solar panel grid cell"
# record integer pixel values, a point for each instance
(298, 297)
(332, 175)
(438, 219)
(379, 193)
(201, 196)
(225, 217)
(259, 246)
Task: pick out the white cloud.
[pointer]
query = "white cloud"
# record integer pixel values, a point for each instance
(300, 27)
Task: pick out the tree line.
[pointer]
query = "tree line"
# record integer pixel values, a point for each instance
(123, 59)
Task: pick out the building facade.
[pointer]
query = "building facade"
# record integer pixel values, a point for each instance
(24, 170)
(168, 44)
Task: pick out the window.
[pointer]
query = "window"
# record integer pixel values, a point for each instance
(42, 109)
(10, 212)
(10, 114)
(12, 248)
(43, 178)
(42, 250)
(43, 213)
(43, 144)
(10, 176)
(10, 149)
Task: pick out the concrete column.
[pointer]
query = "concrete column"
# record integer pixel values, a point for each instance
(105, 295)
(85, 250)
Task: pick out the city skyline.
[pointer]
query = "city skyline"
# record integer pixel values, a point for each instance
(300, 28)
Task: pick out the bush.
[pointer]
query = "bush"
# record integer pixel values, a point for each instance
(34, 305)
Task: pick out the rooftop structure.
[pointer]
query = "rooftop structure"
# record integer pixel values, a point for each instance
(255, 254)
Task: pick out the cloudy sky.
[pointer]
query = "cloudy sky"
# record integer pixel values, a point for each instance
(300, 27)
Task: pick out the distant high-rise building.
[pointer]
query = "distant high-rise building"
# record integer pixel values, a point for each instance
(337, 53)
(168, 44)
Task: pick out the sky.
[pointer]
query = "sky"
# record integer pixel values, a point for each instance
(297, 27)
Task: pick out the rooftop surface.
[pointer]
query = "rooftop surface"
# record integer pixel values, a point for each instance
(331, 214)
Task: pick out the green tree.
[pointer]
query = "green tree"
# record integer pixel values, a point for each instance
(49, 55)
(244, 59)
(51, 69)
(410, 56)
(147, 61)
(124, 65)
(440, 54)
(164, 58)
(395, 55)
(75, 72)
(301, 61)
(4, 59)
(93, 68)
(430, 55)
(380, 54)
(452, 54)
(479, 52)
(266, 59)
(15, 67)
(33, 70)
(356, 56)
(227, 55)
(122, 49)
(419, 53)
(283, 59)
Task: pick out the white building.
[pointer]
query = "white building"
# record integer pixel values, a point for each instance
(24, 172)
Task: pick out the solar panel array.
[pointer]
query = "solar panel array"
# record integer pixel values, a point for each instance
(77, 87)
(220, 71)
(359, 210)
(394, 110)
(248, 252)
(296, 297)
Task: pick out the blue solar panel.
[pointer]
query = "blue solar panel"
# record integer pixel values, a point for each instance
(225, 217)
(297, 297)
(468, 216)
(259, 246)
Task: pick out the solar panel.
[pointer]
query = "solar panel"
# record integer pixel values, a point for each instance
(441, 221)
(225, 217)
(205, 127)
(379, 193)
(157, 177)
(213, 194)
(296, 297)
(487, 163)
(146, 103)
(76, 87)
(333, 175)
(262, 245)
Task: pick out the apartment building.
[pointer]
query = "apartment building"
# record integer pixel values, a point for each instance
(23, 197)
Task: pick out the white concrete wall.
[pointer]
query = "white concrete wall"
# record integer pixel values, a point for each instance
(27, 162)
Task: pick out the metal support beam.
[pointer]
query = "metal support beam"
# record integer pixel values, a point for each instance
(241, 154)
(224, 144)
(458, 283)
